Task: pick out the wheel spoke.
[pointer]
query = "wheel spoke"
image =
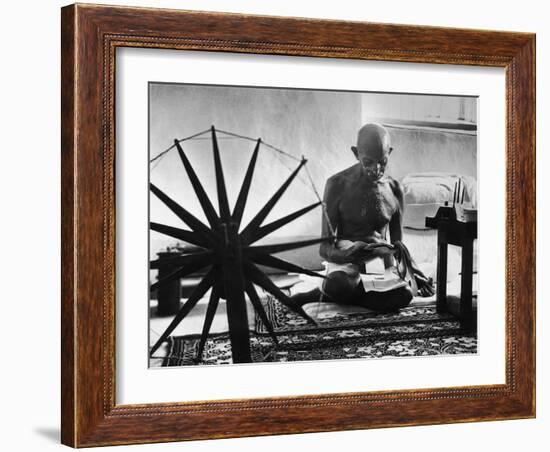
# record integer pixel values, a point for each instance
(177, 233)
(261, 279)
(206, 205)
(256, 222)
(195, 224)
(258, 306)
(279, 247)
(245, 188)
(275, 262)
(271, 227)
(220, 180)
(187, 269)
(208, 318)
(191, 302)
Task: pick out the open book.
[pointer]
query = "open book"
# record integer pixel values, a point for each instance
(382, 281)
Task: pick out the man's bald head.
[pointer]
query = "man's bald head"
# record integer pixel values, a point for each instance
(373, 149)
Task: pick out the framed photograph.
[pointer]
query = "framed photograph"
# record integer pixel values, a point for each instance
(281, 225)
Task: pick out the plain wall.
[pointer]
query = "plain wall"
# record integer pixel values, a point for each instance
(417, 150)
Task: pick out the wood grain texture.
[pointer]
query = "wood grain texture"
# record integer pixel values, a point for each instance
(90, 36)
(67, 226)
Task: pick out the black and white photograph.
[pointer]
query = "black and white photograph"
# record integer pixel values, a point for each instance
(291, 225)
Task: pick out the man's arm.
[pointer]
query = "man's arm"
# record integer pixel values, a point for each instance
(424, 283)
(396, 221)
(328, 250)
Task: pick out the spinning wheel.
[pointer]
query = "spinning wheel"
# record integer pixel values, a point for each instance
(228, 254)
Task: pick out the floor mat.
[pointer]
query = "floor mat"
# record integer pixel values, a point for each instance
(413, 331)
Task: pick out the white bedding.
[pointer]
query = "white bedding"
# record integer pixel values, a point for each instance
(431, 187)
(424, 193)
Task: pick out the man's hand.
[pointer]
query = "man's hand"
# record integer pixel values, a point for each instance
(380, 249)
(356, 251)
(361, 251)
(425, 285)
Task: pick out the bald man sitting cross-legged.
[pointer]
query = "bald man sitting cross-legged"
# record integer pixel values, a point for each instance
(363, 204)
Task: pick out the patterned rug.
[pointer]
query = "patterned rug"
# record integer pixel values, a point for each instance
(413, 331)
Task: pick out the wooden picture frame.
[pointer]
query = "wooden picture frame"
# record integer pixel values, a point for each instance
(90, 36)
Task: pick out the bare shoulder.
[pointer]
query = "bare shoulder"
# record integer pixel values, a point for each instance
(336, 186)
(342, 177)
(396, 187)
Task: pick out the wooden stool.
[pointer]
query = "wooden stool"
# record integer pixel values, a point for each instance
(453, 232)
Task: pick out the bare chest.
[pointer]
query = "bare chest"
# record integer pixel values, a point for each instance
(364, 209)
